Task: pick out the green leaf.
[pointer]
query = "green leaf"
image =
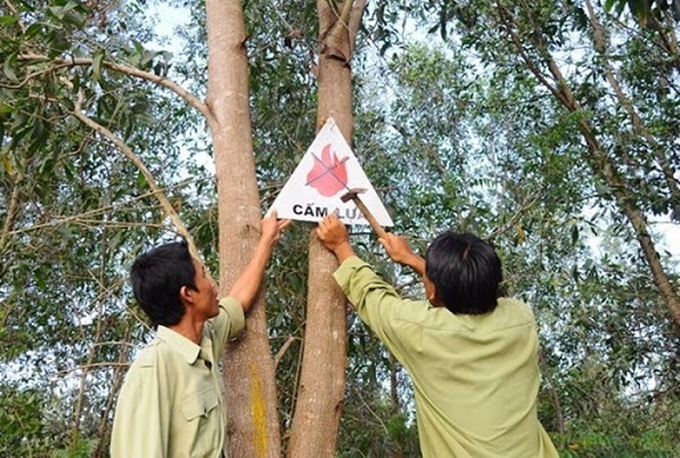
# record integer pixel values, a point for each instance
(574, 234)
(34, 30)
(76, 83)
(8, 20)
(9, 68)
(97, 65)
(141, 181)
(147, 57)
(5, 108)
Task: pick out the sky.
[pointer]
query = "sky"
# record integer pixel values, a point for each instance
(170, 18)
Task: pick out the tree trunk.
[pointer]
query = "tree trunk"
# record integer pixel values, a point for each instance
(322, 379)
(252, 417)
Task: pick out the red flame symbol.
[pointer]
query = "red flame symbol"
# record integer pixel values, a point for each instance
(329, 175)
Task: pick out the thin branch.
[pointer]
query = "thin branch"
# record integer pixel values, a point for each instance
(127, 70)
(371, 411)
(337, 41)
(282, 351)
(80, 216)
(118, 374)
(88, 367)
(15, 12)
(525, 56)
(11, 214)
(151, 181)
(118, 224)
(513, 221)
(104, 291)
(122, 343)
(545, 371)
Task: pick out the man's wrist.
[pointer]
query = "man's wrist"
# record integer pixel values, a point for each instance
(343, 251)
(415, 262)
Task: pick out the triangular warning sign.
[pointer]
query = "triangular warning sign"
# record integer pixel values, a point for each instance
(327, 171)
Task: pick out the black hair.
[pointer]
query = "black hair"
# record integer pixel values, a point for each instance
(157, 277)
(466, 271)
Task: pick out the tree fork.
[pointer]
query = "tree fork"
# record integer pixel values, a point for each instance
(321, 390)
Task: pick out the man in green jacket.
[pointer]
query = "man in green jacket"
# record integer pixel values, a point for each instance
(172, 401)
(472, 356)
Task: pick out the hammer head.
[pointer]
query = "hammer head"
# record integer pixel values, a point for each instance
(352, 194)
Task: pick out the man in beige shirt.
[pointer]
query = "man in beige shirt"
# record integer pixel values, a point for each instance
(172, 401)
(472, 356)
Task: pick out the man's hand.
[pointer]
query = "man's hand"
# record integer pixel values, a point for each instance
(271, 227)
(248, 284)
(333, 234)
(398, 249)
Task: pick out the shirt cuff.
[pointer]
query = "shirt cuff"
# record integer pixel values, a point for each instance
(346, 269)
(235, 314)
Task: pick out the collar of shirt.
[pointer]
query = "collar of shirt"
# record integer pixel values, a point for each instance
(186, 348)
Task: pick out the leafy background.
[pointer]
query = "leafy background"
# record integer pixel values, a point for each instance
(456, 126)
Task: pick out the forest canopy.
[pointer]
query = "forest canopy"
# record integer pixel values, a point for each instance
(548, 128)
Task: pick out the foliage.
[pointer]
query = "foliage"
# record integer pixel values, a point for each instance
(645, 11)
(455, 130)
(20, 428)
(74, 211)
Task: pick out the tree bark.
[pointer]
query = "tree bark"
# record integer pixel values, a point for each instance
(252, 417)
(322, 379)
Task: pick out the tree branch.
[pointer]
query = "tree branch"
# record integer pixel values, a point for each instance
(151, 181)
(337, 42)
(525, 56)
(528, 203)
(545, 370)
(282, 351)
(11, 214)
(355, 18)
(118, 373)
(127, 70)
(81, 217)
(638, 125)
(15, 12)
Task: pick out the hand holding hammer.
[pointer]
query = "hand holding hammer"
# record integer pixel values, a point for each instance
(353, 194)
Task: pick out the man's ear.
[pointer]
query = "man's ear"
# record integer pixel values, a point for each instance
(433, 296)
(186, 295)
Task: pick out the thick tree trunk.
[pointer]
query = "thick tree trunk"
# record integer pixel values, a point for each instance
(322, 379)
(252, 425)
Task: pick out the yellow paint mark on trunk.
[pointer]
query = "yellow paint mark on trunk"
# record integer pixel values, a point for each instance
(257, 411)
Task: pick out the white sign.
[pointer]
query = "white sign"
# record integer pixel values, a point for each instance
(327, 171)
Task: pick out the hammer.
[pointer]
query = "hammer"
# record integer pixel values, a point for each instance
(353, 194)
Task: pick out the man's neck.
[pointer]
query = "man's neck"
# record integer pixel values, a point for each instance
(192, 330)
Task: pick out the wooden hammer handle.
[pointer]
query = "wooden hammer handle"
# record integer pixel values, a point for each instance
(370, 218)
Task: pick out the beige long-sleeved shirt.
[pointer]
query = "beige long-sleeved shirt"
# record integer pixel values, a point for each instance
(475, 377)
(172, 401)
